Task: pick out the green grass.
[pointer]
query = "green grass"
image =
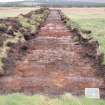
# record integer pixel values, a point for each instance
(5, 15)
(93, 22)
(13, 12)
(67, 99)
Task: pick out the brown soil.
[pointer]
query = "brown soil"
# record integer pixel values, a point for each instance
(53, 64)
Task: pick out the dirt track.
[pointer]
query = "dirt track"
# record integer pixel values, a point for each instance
(54, 64)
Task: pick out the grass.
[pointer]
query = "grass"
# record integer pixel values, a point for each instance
(67, 99)
(94, 22)
(13, 11)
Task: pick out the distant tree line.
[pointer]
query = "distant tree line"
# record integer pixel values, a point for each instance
(51, 3)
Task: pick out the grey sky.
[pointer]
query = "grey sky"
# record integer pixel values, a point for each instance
(9, 0)
(65, 0)
(91, 0)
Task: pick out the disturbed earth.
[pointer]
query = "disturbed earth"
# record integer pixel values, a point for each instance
(54, 64)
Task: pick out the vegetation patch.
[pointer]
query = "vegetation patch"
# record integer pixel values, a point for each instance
(19, 29)
(87, 35)
(67, 99)
(93, 22)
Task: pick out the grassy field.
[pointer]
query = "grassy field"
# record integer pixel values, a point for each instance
(67, 99)
(92, 19)
(12, 12)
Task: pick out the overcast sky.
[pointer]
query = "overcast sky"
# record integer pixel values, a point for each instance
(9, 0)
(65, 0)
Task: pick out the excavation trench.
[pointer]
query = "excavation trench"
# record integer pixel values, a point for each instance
(54, 64)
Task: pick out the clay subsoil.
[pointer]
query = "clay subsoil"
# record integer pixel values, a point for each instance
(53, 63)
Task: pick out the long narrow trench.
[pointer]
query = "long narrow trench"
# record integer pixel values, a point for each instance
(53, 65)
